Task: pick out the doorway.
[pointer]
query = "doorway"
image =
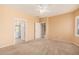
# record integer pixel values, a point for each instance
(19, 31)
(40, 30)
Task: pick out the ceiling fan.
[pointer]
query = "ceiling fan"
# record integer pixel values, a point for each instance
(43, 8)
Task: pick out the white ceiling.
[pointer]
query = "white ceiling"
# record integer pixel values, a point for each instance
(52, 9)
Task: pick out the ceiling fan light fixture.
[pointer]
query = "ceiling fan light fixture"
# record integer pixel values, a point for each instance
(43, 8)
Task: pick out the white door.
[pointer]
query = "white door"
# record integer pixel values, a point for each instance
(38, 30)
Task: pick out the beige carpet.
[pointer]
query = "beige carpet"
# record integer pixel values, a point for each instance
(41, 47)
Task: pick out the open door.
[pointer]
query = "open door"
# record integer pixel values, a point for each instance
(19, 31)
(40, 30)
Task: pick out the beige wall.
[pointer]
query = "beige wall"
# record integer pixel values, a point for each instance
(62, 27)
(7, 16)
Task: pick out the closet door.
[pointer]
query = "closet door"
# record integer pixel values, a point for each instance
(38, 31)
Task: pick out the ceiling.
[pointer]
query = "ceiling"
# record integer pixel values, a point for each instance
(52, 9)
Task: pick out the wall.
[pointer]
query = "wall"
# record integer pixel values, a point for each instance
(75, 39)
(62, 27)
(7, 16)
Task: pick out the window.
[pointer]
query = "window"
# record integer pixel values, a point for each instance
(77, 26)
